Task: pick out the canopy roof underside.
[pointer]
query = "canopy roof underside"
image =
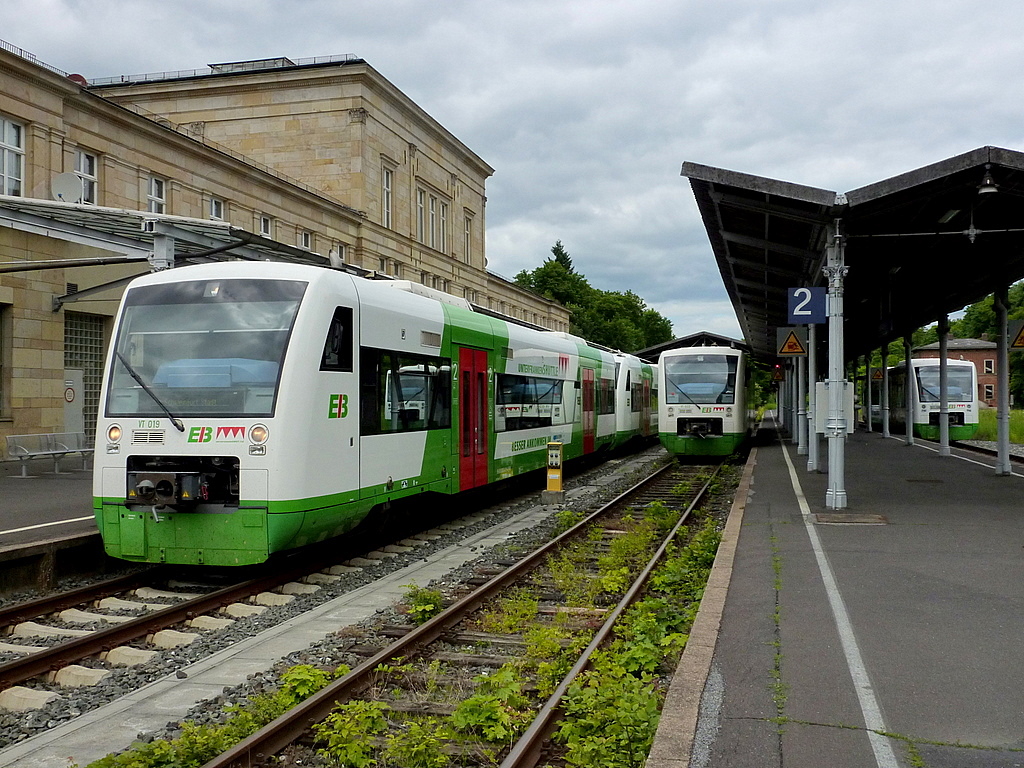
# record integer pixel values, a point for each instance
(918, 245)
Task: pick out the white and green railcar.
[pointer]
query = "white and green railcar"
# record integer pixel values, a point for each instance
(635, 399)
(251, 408)
(703, 408)
(962, 399)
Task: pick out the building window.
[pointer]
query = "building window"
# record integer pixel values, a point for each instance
(156, 198)
(468, 244)
(425, 278)
(383, 266)
(306, 239)
(990, 366)
(433, 222)
(396, 269)
(5, 360)
(85, 169)
(266, 226)
(387, 181)
(421, 215)
(84, 349)
(990, 392)
(442, 227)
(12, 157)
(216, 208)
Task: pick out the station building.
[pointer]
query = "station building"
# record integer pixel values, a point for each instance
(323, 160)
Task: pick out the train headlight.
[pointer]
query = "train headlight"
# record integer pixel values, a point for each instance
(258, 434)
(113, 433)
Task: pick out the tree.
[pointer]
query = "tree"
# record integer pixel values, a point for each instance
(561, 256)
(610, 318)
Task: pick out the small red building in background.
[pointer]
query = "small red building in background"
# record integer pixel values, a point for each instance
(981, 352)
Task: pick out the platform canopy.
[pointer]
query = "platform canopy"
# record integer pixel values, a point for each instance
(918, 245)
(134, 233)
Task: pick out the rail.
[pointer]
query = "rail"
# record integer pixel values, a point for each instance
(279, 734)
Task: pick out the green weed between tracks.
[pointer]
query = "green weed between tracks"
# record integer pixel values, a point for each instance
(611, 710)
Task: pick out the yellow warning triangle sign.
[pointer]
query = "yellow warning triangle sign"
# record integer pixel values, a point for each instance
(1018, 340)
(877, 375)
(792, 346)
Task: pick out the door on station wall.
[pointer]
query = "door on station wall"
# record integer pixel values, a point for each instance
(588, 410)
(473, 433)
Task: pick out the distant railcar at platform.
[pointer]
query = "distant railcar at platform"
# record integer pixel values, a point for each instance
(925, 392)
(704, 400)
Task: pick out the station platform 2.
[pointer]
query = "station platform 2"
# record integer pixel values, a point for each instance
(889, 633)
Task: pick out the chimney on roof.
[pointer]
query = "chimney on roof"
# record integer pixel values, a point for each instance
(984, 336)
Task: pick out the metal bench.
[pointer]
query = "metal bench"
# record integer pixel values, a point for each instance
(55, 445)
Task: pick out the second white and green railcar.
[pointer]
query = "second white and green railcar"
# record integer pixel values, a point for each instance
(703, 401)
(635, 399)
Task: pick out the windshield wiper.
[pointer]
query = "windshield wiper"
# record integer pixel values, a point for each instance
(132, 372)
(680, 391)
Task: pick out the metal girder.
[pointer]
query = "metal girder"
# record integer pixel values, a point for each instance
(23, 221)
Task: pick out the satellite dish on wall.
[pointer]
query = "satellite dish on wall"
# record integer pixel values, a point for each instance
(66, 187)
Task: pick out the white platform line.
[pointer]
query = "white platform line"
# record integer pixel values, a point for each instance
(884, 756)
(47, 525)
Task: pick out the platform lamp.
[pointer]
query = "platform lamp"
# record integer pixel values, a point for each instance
(988, 184)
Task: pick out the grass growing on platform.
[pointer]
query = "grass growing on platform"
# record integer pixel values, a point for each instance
(987, 425)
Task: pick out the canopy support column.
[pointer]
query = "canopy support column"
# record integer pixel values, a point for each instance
(870, 396)
(943, 385)
(908, 392)
(801, 405)
(836, 424)
(1002, 383)
(812, 403)
(885, 390)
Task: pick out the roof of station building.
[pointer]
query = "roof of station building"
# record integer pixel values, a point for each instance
(918, 245)
(698, 339)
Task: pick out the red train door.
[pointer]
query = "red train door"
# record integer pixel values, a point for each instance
(473, 434)
(588, 410)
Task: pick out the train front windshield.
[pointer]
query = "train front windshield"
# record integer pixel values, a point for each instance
(701, 379)
(959, 384)
(203, 348)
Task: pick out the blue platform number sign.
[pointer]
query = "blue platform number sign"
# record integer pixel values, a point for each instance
(807, 305)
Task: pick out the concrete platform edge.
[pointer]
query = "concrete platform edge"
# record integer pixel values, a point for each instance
(673, 742)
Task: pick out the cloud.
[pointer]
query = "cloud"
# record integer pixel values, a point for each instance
(587, 108)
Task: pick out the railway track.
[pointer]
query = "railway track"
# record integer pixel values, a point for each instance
(483, 631)
(17, 726)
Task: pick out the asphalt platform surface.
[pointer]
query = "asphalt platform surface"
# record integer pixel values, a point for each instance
(44, 505)
(889, 633)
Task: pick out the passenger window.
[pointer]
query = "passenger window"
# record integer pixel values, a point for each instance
(337, 354)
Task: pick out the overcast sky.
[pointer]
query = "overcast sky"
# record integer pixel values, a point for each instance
(586, 109)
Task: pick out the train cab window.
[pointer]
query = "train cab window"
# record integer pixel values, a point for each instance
(337, 354)
(701, 379)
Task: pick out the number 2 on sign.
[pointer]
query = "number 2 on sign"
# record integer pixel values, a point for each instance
(803, 297)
